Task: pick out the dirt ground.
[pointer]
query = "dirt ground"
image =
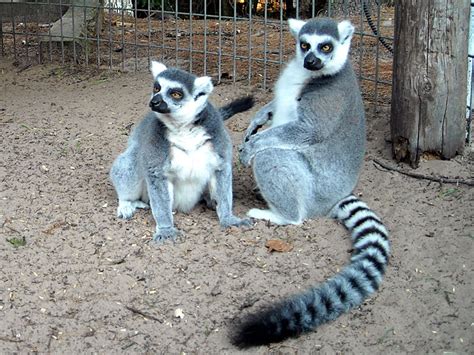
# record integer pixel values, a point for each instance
(75, 279)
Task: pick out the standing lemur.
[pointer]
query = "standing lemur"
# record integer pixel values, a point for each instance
(178, 154)
(306, 164)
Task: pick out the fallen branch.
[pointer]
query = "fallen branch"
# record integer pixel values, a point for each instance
(441, 180)
(137, 311)
(10, 340)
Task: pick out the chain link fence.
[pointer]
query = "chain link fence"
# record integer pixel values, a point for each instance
(245, 41)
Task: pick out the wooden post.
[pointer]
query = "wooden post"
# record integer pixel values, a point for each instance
(429, 78)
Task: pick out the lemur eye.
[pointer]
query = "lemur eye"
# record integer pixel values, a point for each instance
(326, 48)
(304, 46)
(176, 95)
(156, 88)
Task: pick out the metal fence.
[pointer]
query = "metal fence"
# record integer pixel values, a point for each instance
(245, 41)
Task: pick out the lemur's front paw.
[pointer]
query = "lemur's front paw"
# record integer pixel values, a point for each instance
(246, 153)
(164, 234)
(260, 119)
(253, 129)
(236, 222)
(126, 209)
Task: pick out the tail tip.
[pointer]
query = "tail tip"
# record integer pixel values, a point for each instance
(261, 328)
(249, 332)
(247, 102)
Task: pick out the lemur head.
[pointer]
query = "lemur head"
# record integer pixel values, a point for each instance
(178, 96)
(322, 44)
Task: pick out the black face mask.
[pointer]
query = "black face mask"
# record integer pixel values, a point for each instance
(158, 105)
(311, 62)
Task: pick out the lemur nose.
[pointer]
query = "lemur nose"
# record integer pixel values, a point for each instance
(311, 62)
(156, 100)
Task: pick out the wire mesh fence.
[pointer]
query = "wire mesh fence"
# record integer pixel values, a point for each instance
(245, 41)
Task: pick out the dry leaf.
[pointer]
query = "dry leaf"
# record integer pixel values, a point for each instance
(278, 245)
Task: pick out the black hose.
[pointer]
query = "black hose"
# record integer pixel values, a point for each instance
(372, 26)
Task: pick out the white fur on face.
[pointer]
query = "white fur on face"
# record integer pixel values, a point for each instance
(183, 111)
(333, 62)
(295, 76)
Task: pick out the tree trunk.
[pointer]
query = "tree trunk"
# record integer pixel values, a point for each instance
(290, 10)
(429, 78)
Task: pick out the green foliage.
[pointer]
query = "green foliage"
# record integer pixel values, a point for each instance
(17, 242)
(451, 192)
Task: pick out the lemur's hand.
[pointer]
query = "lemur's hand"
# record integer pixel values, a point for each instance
(260, 119)
(164, 234)
(247, 150)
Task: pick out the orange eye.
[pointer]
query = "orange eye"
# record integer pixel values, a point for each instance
(156, 89)
(176, 95)
(326, 48)
(304, 46)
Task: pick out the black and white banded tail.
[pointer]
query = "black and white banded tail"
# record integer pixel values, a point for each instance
(325, 302)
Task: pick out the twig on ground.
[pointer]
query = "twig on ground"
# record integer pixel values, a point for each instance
(137, 311)
(441, 180)
(10, 340)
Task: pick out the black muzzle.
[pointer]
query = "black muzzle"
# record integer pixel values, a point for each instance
(158, 105)
(311, 62)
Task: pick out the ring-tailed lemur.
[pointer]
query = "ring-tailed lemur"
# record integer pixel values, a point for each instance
(179, 153)
(307, 165)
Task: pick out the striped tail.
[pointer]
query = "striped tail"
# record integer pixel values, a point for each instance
(346, 290)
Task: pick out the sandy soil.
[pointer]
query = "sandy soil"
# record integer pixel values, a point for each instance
(76, 279)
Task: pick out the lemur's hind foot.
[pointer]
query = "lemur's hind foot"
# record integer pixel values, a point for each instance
(269, 215)
(126, 209)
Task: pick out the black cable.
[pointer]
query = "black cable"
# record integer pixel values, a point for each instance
(372, 26)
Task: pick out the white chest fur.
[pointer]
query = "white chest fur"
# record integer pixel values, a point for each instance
(193, 163)
(287, 90)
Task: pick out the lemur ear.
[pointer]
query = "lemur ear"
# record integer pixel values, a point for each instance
(295, 26)
(346, 30)
(203, 85)
(157, 68)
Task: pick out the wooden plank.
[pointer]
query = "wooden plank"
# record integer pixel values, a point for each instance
(429, 78)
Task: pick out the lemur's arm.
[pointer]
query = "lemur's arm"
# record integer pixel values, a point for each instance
(220, 190)
(260, 119)
(161, 202)
(310, 128)
(287, 136)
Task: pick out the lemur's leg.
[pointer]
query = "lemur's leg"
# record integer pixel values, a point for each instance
(129, 184)
(285, 183)
(220, 190)
(206, 198)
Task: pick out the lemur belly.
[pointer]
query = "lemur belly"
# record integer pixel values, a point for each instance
(287, 91)
(193, 163)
